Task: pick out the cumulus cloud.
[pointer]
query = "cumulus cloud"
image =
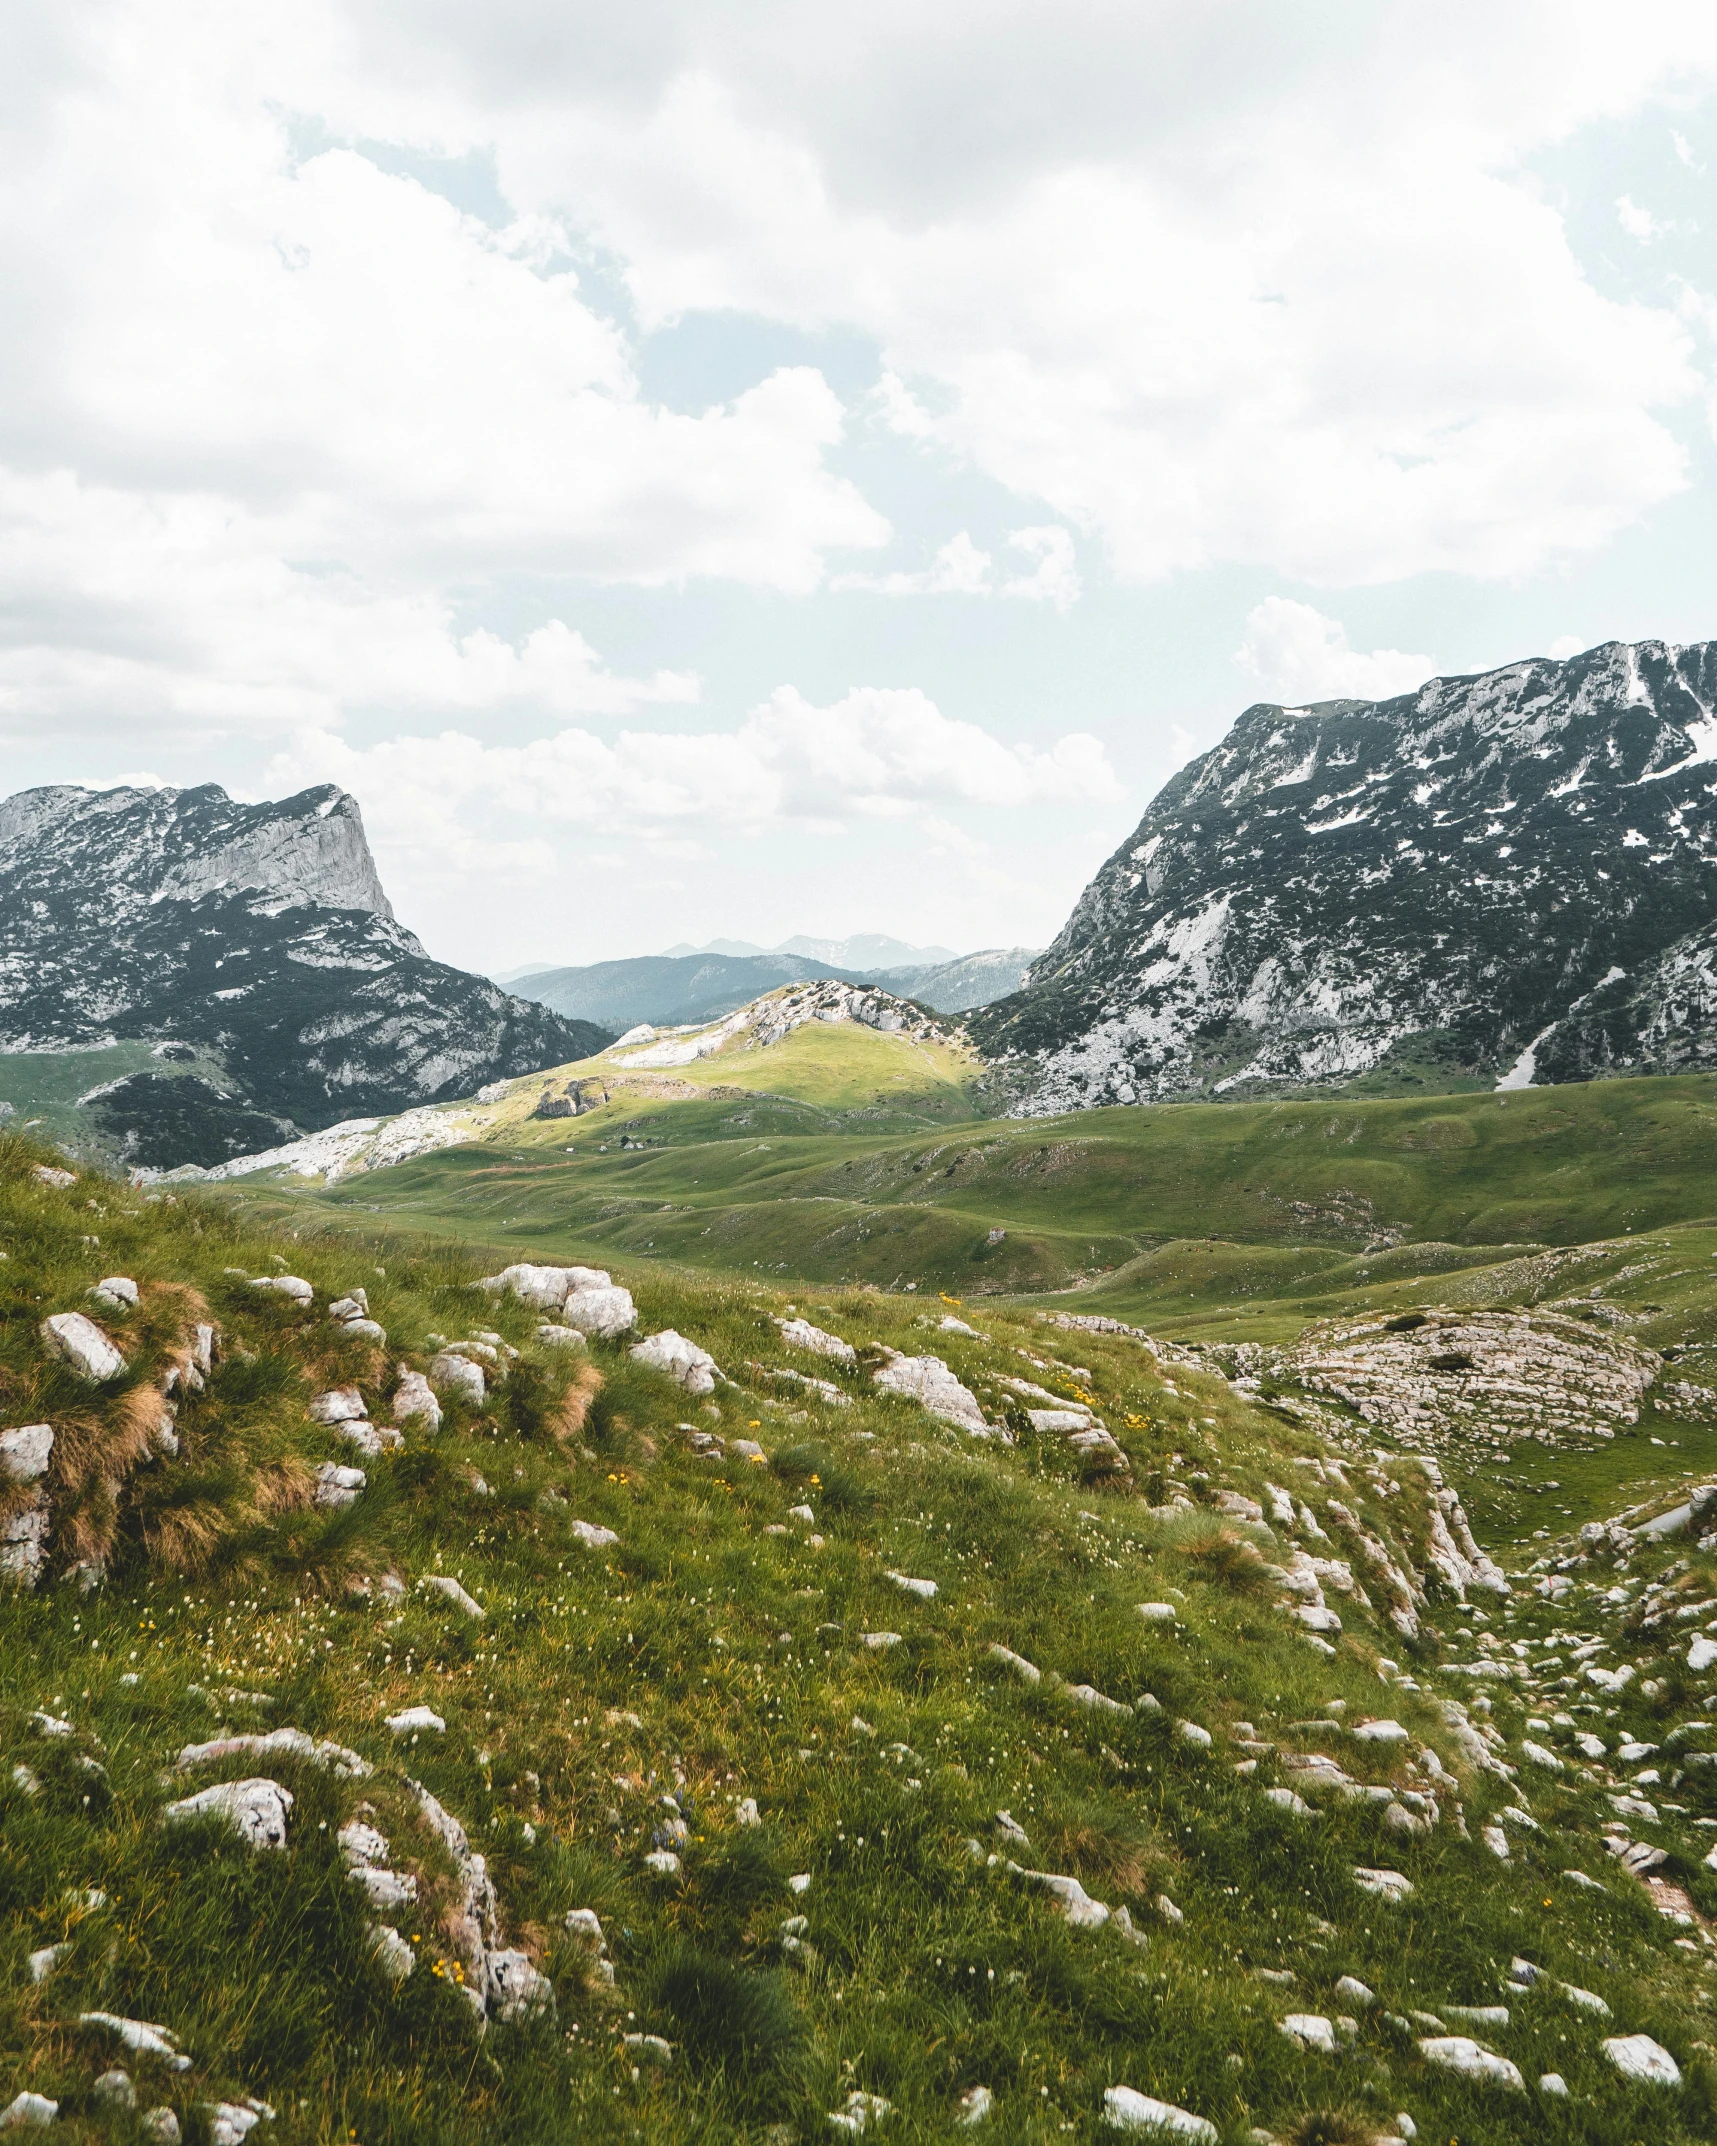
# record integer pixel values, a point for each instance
(181, 612)
(960, 568)
(877, 753)
(1297, 655)
(1221, 285)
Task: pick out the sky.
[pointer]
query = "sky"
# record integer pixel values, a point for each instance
(700, 470)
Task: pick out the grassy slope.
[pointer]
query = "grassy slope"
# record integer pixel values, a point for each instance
(736, 1650)
(1213, 1222)
(728, 1185)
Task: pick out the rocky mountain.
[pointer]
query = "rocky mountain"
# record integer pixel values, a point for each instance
(970, 980)
(254, 947)
(1504, 878)
(667, 990)
(664, 990)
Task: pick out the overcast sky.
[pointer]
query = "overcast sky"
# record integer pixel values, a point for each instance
(696, 469)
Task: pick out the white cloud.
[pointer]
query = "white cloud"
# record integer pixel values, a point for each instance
(1566, 645)
(960, 568)
(880, 797)
(1212, 285)
(181, 612)
(1637, 222)
(1297, 655)
(878, 753)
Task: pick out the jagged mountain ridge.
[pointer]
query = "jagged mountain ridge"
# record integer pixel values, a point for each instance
(1511, 875)
(258, 933)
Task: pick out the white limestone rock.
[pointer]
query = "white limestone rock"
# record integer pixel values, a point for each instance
(459, 1375)
(801, 1334)
(345, 1404)
(1637, 2056)
(1382, 1884)
(337, 1486)
(410, 1720)
(1126, 2109)
(681, 1360)
(928, 1381)
(286, 1285)
(443, 1584)
(320, 1752)
(117, 1291)
(141, 2037)
(414, 1398)
(1073, 1902)
(514, 1986)
(925, 1590)
(593, 1537)
(1459, 2053)
(82, 1345)
(255, 1809)
(28, 2111)
(25, 1452)
(392, 1956)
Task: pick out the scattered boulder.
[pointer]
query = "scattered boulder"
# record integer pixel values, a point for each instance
(928, 1381)
(345, 1404)
(515, 1987)
(415, 1397)
(25, 1452)
(444, 1585)
(337, 1486)
(859, 2112)
(593, 1537)
(1310, 2030)
(45, 1174)
(586, 1298)
(286, 1285)
(1027, 1672)
(681, 1360)
(83, 1345)
(118, 1292)
(393, 1957)
(925, 1590)
(1382, 1884)
(141, 2037)
(1637, 2056)
(1126, 2109)
(801, 1334)
(1074, 1903)
(1457, 2053)
(255, 1809)
(459, 1375)
(411, 1719)
(26, 2110)
(319, 1752)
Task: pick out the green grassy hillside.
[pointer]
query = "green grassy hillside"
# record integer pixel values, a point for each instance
(745, 1641)
(726, 1181)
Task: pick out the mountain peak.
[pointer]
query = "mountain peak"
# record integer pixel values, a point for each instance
(1419, 889)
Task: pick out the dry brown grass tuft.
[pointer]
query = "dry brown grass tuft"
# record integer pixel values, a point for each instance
(572, 1411)
(1111, 1849)
(1228, 1559)
(188, 1539)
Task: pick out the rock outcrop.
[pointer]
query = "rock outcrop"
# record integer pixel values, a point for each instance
(254, 946)
(1509, 875)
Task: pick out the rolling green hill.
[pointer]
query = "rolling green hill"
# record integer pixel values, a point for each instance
(674, 1726)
